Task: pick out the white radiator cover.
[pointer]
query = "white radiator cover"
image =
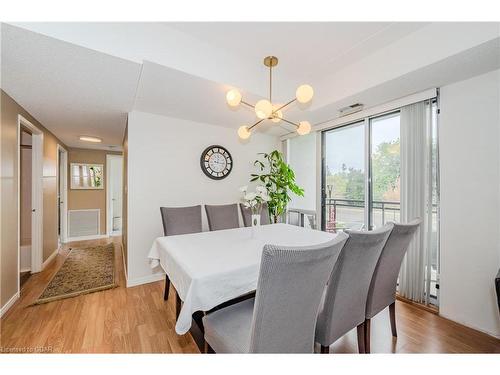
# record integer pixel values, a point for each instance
(84, 223)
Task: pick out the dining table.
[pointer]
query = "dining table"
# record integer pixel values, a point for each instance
(208, 269)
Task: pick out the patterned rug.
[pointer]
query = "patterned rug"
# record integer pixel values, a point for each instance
(85, 270)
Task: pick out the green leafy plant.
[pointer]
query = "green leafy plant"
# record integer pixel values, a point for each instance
(279, 180)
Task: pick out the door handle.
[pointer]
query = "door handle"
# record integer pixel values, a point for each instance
(33, 210)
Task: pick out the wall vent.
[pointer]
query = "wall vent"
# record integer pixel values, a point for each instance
(353, 108)
(82, 223)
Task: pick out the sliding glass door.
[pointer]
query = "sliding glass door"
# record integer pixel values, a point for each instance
(361, 173)
(361, 182)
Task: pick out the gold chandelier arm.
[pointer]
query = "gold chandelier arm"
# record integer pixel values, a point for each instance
(257, 123)
(290, 122)
(247, 104)
(285, 105)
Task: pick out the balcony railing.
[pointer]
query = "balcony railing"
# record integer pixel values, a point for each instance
(349, 213)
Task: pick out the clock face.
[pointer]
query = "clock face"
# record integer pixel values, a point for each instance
(216, 162)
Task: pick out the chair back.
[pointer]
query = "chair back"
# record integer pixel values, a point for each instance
(344, 302)
(289, 289)
(181, 220)
(246, 214)
(382, 290)
(222, 216)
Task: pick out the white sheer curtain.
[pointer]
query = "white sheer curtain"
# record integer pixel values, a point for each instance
(416, 196)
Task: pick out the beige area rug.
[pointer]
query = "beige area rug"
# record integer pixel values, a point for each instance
(85, 270)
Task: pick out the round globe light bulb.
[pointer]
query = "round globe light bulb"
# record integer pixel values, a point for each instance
(304, 128)
(304, 93)
(243, 132)
(277, 115)
(233, 97)
(263, 109)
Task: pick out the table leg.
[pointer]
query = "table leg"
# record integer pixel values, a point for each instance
(167, 288)
(178, 305)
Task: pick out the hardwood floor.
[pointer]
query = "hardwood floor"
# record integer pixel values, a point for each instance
(138, 320)
(120, 320)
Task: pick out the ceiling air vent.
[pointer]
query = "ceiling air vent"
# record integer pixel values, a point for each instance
(353, 108)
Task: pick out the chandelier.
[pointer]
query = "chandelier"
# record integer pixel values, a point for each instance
(266, 110)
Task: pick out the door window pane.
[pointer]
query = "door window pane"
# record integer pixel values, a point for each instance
(344, 178)
(385, 170)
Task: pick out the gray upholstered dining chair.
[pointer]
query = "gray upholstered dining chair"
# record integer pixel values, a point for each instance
(179, 220)
(282, 316)
(222, 216)
(246, 213)
(382, 292)
(344, 303)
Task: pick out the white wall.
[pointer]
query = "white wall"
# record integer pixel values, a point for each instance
(469, 132)
(164, 170)
(302, 158)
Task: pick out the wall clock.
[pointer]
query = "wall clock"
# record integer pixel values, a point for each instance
(216, 162)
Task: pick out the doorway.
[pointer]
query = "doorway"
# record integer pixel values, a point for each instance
(114, 176)
(30, 198)
(25, 192)
(62, 194)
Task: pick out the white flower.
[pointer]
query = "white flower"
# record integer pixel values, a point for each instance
(243, 189)
(250, 196)
(265, 197)
(261, 189)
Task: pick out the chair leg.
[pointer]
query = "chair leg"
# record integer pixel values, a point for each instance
(392, 315)
(167, 288)
(325, 349)
(361, 338)
(367, 335)
(208, 349)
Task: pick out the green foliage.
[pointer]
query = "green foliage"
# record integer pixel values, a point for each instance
(349, 182)
(385, 170)
(279, 180)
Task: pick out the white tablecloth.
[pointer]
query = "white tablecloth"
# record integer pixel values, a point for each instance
(210, 268)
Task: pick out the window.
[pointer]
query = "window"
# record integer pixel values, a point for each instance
(344, 178)
(384, 170)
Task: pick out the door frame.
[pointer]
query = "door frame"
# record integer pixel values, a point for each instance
(36, 196)
(62, 182)
(109, 204)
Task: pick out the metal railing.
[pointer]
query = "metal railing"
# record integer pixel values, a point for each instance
(382, 209)
(301, 217)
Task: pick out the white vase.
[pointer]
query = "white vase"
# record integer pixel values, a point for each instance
(255, 224)
(255, 220)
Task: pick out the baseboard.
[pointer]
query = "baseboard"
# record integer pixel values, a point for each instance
(50, 258)
(145, 280)
(9, 304)
(84, 238)
(469, 325)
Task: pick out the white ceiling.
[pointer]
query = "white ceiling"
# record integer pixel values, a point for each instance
(71, 90)
(307, 50)
(83, 78)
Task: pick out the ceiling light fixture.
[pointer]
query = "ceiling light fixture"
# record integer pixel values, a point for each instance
(86, 138)
(266, 110)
